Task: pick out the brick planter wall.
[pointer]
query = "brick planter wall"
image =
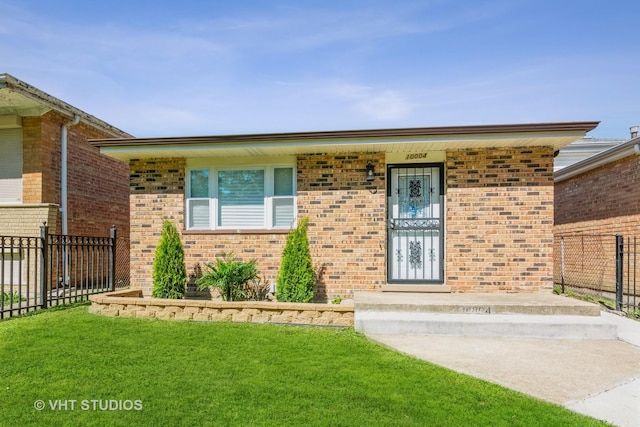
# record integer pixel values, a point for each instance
(131, 304)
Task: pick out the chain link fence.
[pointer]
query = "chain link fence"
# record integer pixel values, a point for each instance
(603, 267)
(122, 273)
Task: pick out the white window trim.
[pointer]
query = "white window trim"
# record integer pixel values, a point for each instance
(269, 176)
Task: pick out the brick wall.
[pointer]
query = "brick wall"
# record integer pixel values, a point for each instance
(605, 200)
(347, 221)
(499, 217)
(98, 192)
(156, 195)
(346, 227)
(499, 220)
(31, 160)
(25, 221)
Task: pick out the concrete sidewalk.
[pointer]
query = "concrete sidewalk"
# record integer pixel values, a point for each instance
(599, 378)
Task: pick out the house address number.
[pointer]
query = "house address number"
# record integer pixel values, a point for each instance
(416, 156)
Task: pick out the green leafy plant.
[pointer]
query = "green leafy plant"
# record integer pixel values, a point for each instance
(15, 297)
(336, 300)
(296, 277)
(230, 276)
(169, 271)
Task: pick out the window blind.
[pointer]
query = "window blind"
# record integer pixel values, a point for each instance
(241, 198)
(11, 165)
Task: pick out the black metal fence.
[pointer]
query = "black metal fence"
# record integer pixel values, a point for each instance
(601, 266)
(38, 272)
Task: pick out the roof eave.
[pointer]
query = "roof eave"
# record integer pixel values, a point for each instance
(631, 147)
(13, 84)
(581, 127)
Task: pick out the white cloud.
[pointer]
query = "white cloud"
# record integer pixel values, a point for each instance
(376, 104)
(294, 67)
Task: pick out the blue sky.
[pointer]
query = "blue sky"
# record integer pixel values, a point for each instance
(159, 68)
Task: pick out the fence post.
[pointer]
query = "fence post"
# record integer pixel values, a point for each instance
(44, 264)
(112, 260)
(562, 262)
(619, 270)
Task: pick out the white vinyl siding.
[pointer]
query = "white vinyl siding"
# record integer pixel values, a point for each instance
(10, 166)
(241, 197)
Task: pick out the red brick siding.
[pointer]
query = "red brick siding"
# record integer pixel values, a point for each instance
(347, 220)
(346, 228)
(499, 217)
(98, 192)
(98, 187)
(605, 200)
(31, 160)
(156, 195)
(499, 220)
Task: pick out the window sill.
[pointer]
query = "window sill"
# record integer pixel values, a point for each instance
(246, 231)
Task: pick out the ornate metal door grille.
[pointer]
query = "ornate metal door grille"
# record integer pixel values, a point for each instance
(415, 225)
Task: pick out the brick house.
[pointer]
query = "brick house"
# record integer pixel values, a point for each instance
(34, 127)
(596, 199)
(443, 209)
(615, 207)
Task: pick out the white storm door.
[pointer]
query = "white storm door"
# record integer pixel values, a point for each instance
(415, 224)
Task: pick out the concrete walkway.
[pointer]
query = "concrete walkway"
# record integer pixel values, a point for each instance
(599, 378)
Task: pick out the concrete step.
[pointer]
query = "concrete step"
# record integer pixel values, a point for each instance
(529, 304)
(483, 325)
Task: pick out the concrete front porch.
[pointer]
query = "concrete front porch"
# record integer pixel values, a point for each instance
(481, 315)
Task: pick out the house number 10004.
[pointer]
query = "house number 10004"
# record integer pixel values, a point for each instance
(416, 156)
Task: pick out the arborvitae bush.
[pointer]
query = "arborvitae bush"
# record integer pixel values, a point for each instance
(169, 271)
(296, 277)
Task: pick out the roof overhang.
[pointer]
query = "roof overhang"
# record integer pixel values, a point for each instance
(629, 148)
(556, 135)
(20, 98)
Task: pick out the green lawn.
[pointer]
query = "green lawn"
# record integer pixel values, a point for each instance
(196, 374)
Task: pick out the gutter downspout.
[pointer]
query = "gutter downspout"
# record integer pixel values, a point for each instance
(63, 174)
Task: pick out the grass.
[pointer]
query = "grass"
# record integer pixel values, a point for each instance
(632, 313)
(187, 373)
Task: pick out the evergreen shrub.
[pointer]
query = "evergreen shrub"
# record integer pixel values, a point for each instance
(169, 271)
(296, 277)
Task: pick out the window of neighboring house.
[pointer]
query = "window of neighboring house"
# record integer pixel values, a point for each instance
(10, 166)
(256, 197)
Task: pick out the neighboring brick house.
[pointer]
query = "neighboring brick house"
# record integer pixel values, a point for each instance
(600, 194)
(33, 125)
(443, 209)
(596, 199)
